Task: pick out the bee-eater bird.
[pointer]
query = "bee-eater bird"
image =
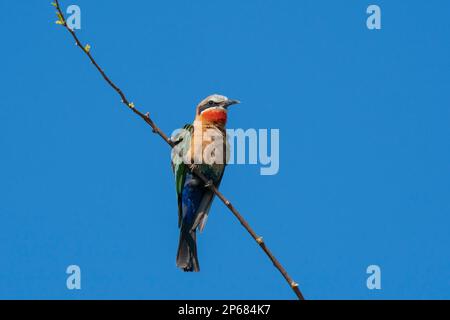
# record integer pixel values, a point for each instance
(194, 197)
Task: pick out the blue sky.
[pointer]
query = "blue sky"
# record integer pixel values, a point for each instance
(364, 148)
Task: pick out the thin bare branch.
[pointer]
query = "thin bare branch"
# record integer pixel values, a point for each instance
(146, 117)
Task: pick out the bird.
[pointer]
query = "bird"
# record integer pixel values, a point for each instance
(193, 195)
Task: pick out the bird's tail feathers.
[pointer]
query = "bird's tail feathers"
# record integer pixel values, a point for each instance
(187, 251)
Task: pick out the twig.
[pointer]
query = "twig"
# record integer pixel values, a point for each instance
(193, 168)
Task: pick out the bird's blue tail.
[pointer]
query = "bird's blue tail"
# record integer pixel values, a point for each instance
(187, 251)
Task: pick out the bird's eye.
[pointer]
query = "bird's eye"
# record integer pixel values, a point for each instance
(210, 103)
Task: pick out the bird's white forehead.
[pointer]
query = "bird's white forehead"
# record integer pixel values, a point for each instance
(217, 98)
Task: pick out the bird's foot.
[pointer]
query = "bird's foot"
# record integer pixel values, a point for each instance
(209, 184)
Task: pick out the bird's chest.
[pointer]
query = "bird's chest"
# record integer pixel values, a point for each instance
(208, 146)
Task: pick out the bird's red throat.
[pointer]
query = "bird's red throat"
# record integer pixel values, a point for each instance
(215, 115)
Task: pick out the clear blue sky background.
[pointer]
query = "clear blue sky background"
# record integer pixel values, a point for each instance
(364, 124)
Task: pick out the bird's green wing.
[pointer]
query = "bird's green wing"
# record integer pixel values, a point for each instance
(182, 145)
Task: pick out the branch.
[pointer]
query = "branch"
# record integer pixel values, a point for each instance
(193, 168)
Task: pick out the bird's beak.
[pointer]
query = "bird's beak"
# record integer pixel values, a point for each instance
(230, 102)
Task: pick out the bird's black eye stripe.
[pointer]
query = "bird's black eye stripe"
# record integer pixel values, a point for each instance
(209, 104)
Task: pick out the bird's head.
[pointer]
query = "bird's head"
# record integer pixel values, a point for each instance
(214, 108)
